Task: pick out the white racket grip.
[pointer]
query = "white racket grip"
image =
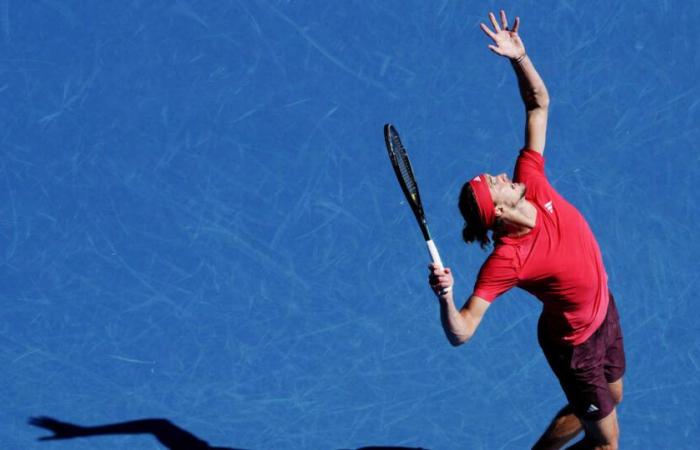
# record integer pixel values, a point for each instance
(434, 253)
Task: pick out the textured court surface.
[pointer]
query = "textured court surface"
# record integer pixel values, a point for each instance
(198, 221)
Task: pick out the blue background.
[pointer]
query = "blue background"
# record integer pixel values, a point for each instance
(198, 220)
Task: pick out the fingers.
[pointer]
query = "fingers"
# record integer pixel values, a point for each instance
(434, 268)
(487, 31)
(503, 25)
(440, 279)
(436, 280)
(504, 20)
(439, 275)
(441, 288)
(496, 27)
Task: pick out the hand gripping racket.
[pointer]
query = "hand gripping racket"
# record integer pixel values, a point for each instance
(407, 181)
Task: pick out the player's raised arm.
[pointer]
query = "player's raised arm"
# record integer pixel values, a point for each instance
(507, 43)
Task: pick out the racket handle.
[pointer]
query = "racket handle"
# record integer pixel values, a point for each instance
(434, 255)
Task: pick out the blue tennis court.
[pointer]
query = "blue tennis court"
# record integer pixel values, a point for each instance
(203, 239)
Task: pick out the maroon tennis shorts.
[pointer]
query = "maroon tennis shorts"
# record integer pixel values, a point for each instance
(585, 370)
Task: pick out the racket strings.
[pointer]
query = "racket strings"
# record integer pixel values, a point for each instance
(407, 175)
(404, 174)
(405, 167)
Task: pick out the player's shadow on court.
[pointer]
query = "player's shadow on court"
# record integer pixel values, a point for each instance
(167, 433)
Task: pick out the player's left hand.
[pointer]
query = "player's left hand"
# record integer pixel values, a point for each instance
(506, 40)
(441, 280)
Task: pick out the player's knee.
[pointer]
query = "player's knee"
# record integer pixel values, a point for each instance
(617, 398)
(616, 395)
(611, 443)
(616, 392)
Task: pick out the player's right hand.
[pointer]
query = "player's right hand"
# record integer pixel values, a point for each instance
(440, 280)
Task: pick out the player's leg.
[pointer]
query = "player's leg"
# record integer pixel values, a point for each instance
(614, 369)
(564, 427)
(615, 361)
(601, 434)
(605, 432)
(591, 376)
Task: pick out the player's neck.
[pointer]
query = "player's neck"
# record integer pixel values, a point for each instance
(520, 220)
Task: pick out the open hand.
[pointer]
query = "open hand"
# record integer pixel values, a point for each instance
(506, 40)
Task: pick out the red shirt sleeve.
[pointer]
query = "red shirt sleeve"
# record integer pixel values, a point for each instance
(498, 273)
(529, 167)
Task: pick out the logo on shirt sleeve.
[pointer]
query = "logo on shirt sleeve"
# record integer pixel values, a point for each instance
(549, 207)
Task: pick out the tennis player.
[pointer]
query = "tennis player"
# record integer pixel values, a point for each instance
(543, 245)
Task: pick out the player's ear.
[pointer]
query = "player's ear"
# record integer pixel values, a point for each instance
(498, 210)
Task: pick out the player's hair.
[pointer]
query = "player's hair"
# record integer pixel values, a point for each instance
(473, 229)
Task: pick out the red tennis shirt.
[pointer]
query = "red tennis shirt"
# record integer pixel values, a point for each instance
(558, 261)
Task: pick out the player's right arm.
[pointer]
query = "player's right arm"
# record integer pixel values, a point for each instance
(459, 325)
(533, 91)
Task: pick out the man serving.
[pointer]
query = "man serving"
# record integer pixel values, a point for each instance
(542, 244)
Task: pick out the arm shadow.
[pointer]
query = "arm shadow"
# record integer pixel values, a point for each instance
(166, 432)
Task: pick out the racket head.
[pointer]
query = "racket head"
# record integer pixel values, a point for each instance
(404, 174)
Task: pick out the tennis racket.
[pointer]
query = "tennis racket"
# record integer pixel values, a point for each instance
(407, 181)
